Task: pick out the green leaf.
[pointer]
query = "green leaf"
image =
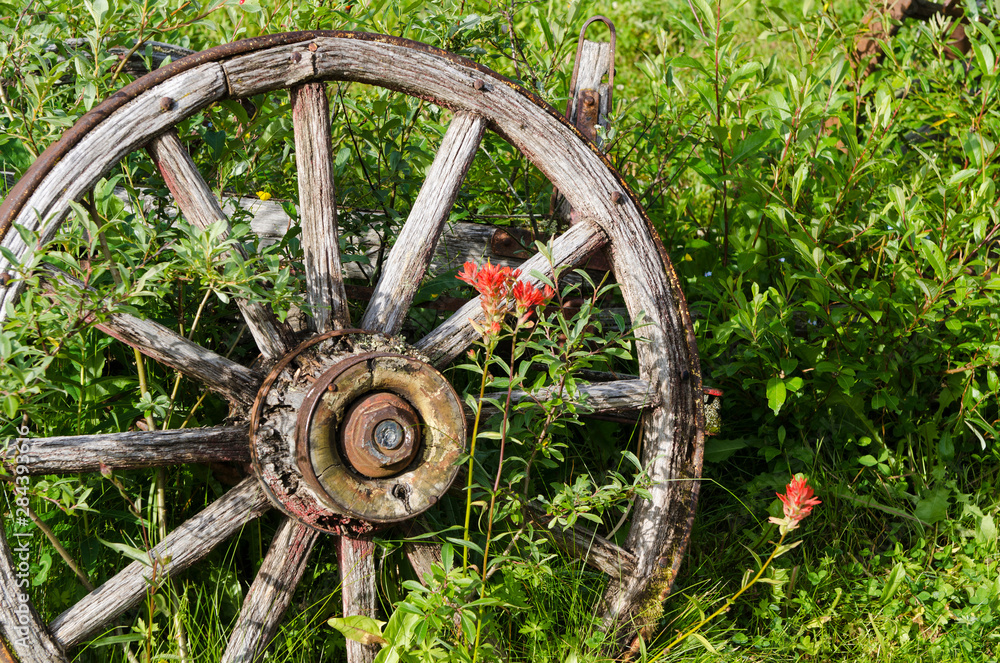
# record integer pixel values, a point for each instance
(775, 393)
(359, 628)
(704, 642)
(718, 450)
(932, 254)
(868, 460)
(961, 176)
(893, 582)
(934, 507)
(131, 552)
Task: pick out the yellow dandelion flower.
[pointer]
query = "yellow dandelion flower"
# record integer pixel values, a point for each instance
(263, 195)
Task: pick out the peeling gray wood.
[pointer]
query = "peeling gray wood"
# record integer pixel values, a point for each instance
(22, 627)
(123, 131)
(455, 334)
(195, 199)
(271, 69)
(414, 248)
(357, 577)
(271, 592)
(672, 434)
(186, 545)
(132, 450)
(318, 208)
(233, 381)
(618, 397)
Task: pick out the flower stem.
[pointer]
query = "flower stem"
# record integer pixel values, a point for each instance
(725, 606)
(472, 455)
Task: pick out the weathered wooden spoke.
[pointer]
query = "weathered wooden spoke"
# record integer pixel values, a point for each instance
(133, 450)
(183, 547)
(357, 577)
(21, 623)
(195, 199)
(271, 592)
(318, 208)
(233, 381)
(415, 245)
(618, 398)
(455, 334)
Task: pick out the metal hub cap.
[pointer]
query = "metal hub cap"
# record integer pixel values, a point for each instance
(345, 438)
(380, 434)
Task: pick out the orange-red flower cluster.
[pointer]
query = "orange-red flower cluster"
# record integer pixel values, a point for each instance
(498, 290)
(797, 502)
(527, 297)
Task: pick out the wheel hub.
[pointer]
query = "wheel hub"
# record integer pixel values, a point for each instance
(380, 434)
(350, 431)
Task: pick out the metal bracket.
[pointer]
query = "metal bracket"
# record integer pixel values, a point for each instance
(590, 100)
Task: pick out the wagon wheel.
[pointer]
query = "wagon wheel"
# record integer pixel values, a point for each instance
(286, 413)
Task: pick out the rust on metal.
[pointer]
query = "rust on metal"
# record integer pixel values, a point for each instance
(382, 448)
(579, 52)
(587, 113)
(380, 434)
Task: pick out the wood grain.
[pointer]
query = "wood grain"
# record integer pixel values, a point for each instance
(187, 544)
(414, 248)
(132, 450)
(606, 398)
(195, 199)
(455, 334)
(318, 208)
(595, 551)
(233, 381)
(357, 577)
(271, 592)
(21, 625)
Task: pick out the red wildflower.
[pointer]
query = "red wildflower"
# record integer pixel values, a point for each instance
(493, 283)
(797, 502)
(527, 297)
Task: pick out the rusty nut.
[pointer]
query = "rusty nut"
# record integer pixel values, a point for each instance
(380, 435)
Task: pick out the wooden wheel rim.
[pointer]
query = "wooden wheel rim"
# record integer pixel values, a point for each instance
(672, 432)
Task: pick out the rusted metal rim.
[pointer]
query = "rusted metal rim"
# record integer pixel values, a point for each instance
(307, 412)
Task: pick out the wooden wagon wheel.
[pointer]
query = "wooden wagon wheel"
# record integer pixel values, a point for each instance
(280, 417)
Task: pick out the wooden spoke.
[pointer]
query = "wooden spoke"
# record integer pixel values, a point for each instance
(271, 592)
(415, 245)
(593, 549)
(198, 204)
(318, 208)
(456, 333)
(422, 556)
(357, 577)
(621, 397)
(126, 451)
(21, 624)
(234, 381)
(183, 547)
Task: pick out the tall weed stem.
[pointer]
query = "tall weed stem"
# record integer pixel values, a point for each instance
(472, 456)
